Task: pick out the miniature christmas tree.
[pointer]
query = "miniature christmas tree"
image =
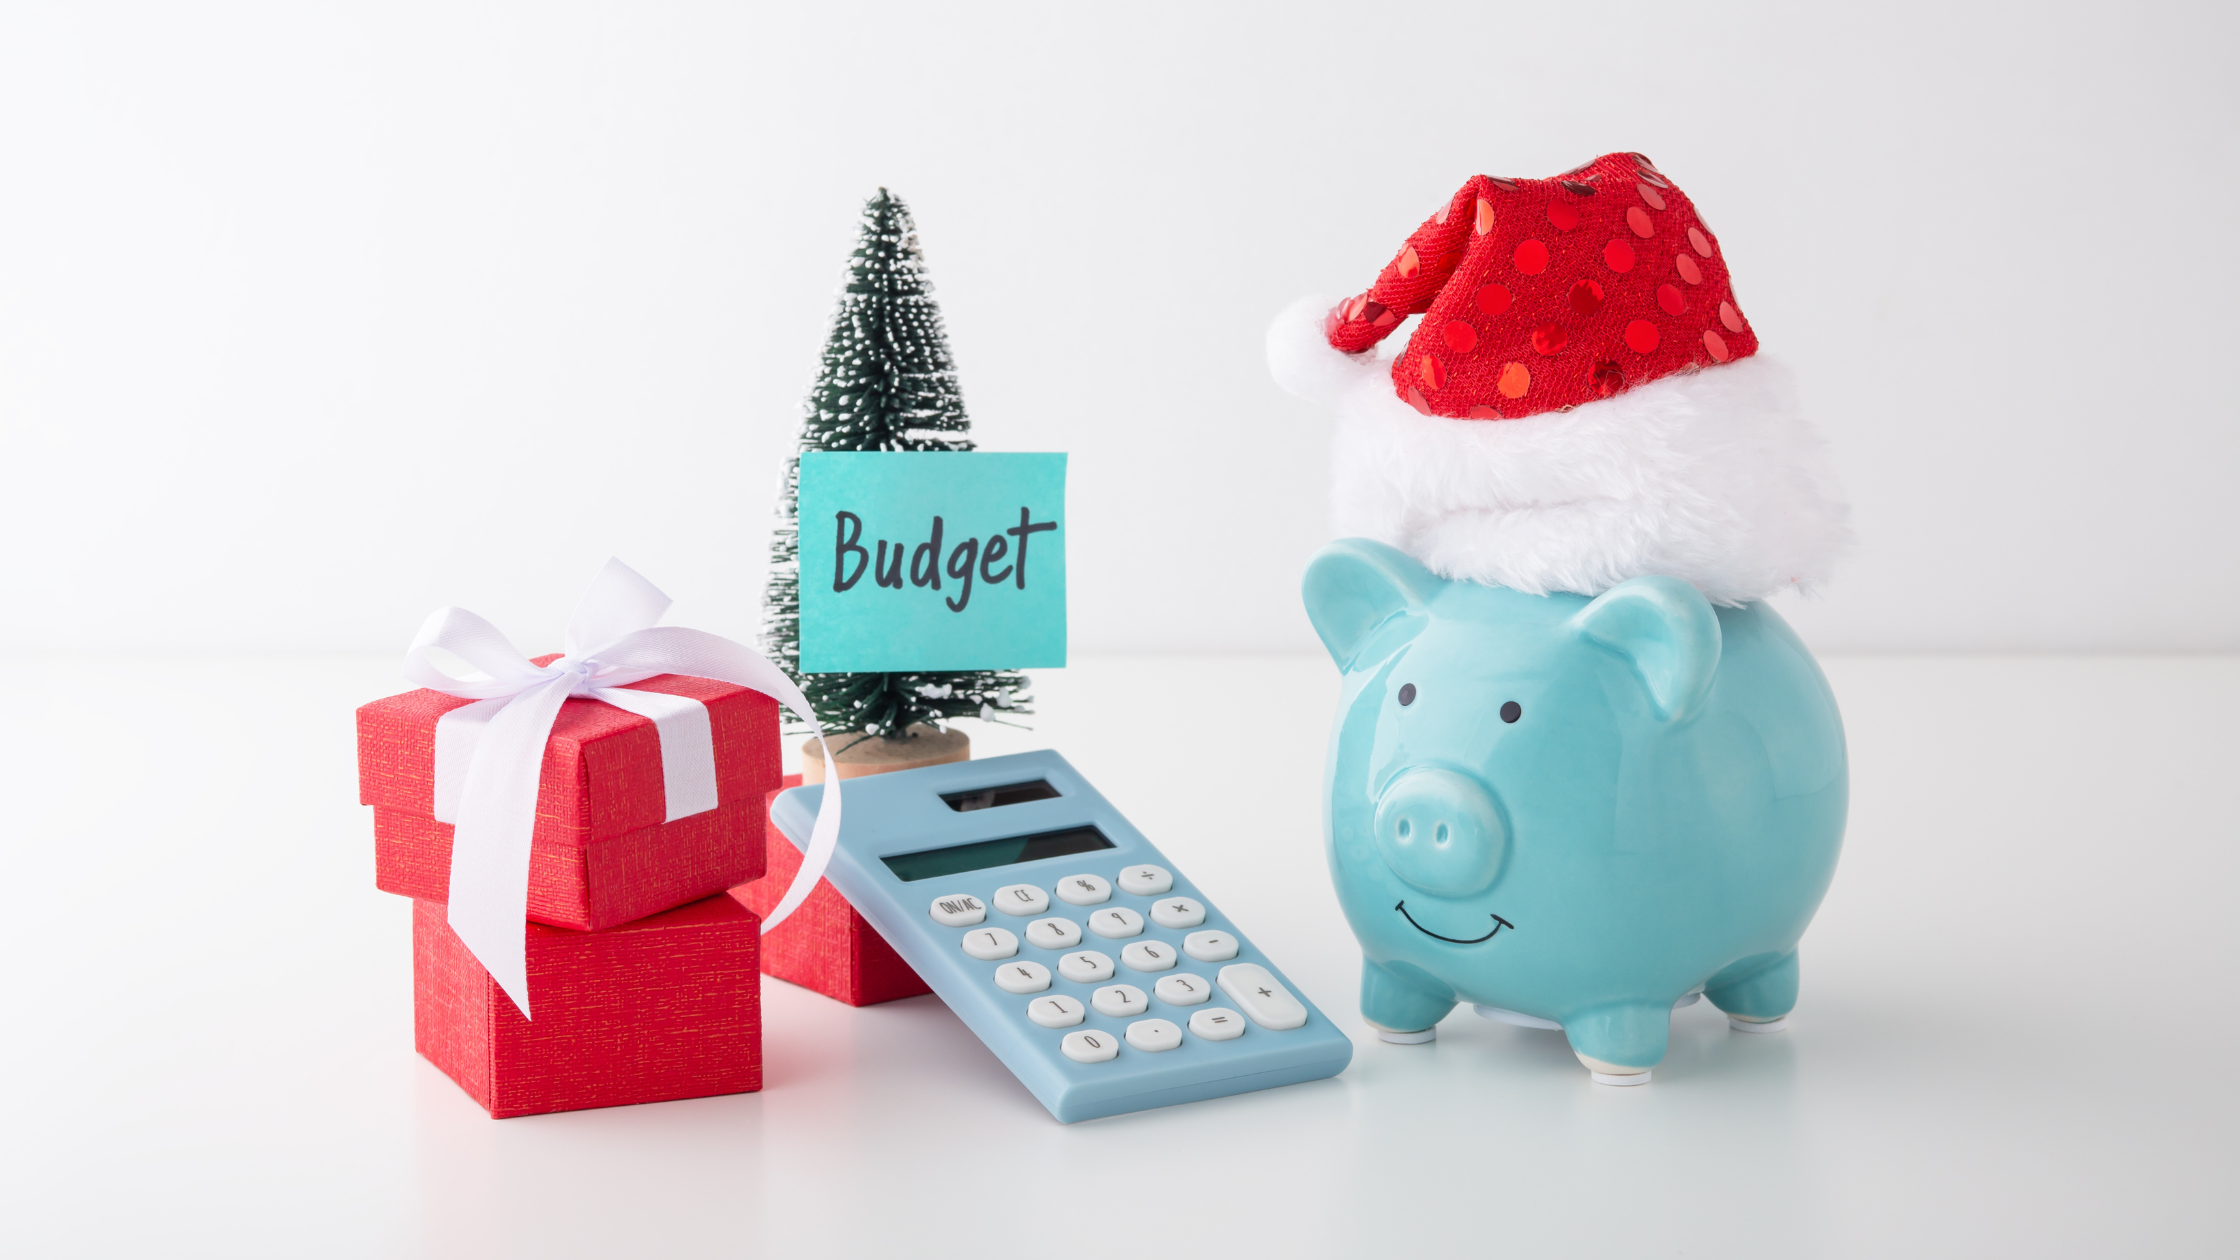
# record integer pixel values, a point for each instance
(887, 383)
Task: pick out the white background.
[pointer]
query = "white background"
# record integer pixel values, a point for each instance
(313, 318)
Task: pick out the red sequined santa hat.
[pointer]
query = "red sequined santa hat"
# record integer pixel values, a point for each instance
(1582, 403)
(1541, 294)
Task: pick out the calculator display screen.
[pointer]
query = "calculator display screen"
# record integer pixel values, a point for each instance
(982, 854)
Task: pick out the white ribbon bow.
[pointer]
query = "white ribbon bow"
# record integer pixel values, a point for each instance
(611, 641)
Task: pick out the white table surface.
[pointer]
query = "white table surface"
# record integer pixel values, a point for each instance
(2017, 1033)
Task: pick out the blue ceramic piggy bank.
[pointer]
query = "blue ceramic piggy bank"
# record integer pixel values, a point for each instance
(1572, 812)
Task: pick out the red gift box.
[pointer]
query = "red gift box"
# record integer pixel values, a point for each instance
(824, 944)
(667, 1007)
(602, 854)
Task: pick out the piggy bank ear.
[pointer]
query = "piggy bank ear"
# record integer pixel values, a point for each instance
(1353, 586)
(1667, 631)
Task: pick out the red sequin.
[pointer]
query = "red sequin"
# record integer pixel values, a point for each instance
(1493, 299)
(1608, 378)
(1649, 175)
(1460, 337)
(1485, 216)
(1448, 260)
(1642, 336)
(1531, 257)
(1574, 186)
(1548, 338)
(1701, 242)
(1638, 219)
(1716, 344)
(1731, 317)
(1483, 412)
(1687, 268)
(1669, 297)
(1505, 185)
(1649, 195)
(1444, 212)
(1564, 215)
(1415, 400)
(1434, 372)
(1514, 380)
(1586, 297)
(1409, 264)
(1618, 256)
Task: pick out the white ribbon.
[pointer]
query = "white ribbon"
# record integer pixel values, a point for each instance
(494, 751)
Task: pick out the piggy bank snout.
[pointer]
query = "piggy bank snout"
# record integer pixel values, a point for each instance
(1441, 832)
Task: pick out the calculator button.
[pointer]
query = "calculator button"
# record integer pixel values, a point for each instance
(1090, 1046)
(1053, 934)
(1084, 890)
(1146, 881)
(1056, 1012)
(958, 910)
(1021, 900)
(1154, 1034)
(1022, 977)
(1149, 956)
(1183, 989)
(1116, 921)
(1217, 1023)
(1086, 967)
(1210, 946)
(988, 944)
(1177, 912)
(1120, 1001)
(1262, 996)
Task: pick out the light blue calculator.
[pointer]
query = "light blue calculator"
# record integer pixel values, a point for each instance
(1100, 975)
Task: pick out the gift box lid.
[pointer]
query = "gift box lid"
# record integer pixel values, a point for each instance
(602, 766)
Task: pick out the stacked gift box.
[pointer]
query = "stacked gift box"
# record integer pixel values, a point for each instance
(642, 968)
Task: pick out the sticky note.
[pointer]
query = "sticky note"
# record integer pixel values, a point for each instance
(932, 560)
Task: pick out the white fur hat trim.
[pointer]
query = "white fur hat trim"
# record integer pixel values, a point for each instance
(1712, 477)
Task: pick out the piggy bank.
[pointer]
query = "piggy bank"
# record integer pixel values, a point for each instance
(1572, 812)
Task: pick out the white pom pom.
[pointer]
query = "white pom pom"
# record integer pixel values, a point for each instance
(1302, 360)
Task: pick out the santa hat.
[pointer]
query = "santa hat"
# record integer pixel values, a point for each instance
(1583, 401)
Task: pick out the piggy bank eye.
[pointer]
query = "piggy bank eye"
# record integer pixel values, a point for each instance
(1407, 694)
(1511, 711)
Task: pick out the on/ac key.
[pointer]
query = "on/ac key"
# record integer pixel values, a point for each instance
(958, 910)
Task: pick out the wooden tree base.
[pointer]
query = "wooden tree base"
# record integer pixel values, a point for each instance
(855, 754)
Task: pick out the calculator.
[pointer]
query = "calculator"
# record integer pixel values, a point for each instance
(1097, 972)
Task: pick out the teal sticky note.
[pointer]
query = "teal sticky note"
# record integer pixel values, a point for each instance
(932, 560)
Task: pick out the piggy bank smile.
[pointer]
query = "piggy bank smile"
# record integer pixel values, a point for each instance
(1498, 924)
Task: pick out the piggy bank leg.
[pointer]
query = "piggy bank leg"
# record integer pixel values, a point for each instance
(1403, 1003)
(1620, 1043)
(1757, 993)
